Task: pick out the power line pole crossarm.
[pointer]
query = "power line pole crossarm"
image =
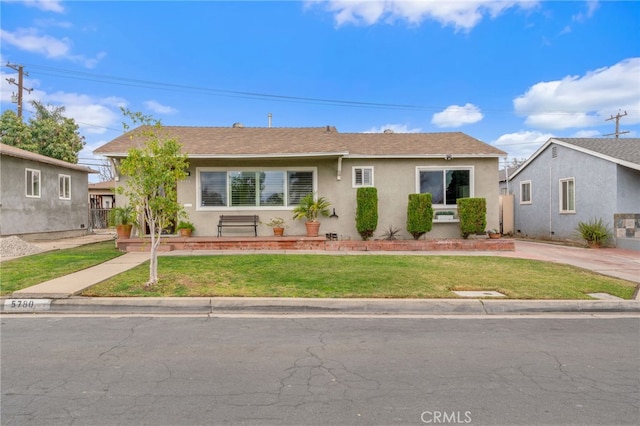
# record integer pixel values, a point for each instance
(617, 117)
(20, 84)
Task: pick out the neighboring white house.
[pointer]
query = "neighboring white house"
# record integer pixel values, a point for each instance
(42, 197)
(265, 171)
(571, 180)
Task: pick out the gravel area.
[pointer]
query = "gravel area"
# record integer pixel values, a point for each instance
(14, 246)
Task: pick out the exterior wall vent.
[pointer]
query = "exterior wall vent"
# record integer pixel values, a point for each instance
(554, 151)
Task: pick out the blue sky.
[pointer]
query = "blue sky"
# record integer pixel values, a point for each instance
(510, 73)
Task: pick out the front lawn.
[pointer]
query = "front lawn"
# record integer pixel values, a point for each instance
(30, 270)
(386, 276)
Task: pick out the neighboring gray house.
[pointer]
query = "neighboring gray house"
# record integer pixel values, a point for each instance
(571, 180)
(42, 197)
(265, 171)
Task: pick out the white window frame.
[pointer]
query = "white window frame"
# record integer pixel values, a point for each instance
(571, 198)
(199, 170)
(64, 187)
(472, 182)
(522, 185)
(363, 184)
(32, 191)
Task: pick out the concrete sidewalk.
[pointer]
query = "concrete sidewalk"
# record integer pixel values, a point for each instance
(617, 263)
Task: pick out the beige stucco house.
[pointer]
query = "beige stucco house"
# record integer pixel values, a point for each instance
(265, 171)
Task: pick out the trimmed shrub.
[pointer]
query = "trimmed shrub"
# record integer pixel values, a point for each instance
(367, 212)
(473, 215)
(419, 215)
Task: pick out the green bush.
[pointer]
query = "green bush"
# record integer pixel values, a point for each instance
(473, 215)
(594, 231)
(367, 212)
(419, 215)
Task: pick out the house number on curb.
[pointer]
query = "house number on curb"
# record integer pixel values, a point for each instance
(27, 304)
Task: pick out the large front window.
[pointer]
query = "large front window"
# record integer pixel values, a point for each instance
(253, 188)
(445, 185)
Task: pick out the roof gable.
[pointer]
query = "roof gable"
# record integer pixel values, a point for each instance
(623, 151)
(207, 142)
(12, 151)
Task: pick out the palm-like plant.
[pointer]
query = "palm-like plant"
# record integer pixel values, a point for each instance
(310, 208)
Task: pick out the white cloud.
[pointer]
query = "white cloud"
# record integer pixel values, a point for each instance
(583, 101)
(397, 128)
(158, 108)
(31, 40)
(592, 6)
(46, 5)
(586, 134)
(462, 15)
(28, 39)
(522, 144)
(456, 115)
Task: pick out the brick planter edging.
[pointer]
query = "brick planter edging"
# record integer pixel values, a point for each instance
(317, 243)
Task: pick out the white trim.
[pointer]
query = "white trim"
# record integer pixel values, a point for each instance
(470, 168)
(560, 195)
(364, 184)
(199, 170)
(526, 182)
(26, 183)
(68, 179)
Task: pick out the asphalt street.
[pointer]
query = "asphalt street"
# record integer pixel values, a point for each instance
(62, 370)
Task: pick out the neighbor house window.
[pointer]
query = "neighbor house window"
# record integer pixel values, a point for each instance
(567, 196)
(253, 188)
(445, 185)
(32, 179)
(64, 185)
(525, 192)
(362, 176)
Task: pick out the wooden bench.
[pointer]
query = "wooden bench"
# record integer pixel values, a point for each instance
(238, 221)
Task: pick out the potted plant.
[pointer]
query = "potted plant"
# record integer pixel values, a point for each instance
(185, 228)
(123, 218)
(310, 208)
(277, 224)
(594, 232)
(494, 233)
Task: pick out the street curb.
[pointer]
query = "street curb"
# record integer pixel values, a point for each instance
(221, 305)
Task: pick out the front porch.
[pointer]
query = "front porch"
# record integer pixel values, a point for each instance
(171, 242)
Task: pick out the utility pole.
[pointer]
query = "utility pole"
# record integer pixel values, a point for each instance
(617, 117)
(20, 84)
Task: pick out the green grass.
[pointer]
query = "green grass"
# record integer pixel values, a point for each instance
(26, 271)
(386, 276)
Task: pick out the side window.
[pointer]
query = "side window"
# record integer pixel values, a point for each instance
(362, 176)
(525, 192)
(64, 187)
(567, 196)
(32, 183)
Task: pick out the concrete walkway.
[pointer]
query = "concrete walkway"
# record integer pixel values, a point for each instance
(624, 264)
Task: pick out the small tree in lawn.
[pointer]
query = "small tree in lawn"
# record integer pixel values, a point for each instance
(153, 172)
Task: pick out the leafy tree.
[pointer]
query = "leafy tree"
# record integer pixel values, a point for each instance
(48, 133)
(153, 172)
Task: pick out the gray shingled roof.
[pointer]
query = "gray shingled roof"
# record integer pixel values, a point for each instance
(623, 149)
(32, 156)
(274, 141)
